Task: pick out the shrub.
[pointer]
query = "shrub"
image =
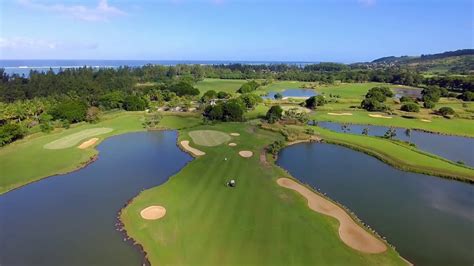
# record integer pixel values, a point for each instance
(223, 95)
(93, 114)
(10, 132)
(112, 100)
(248, 87)
(429, 104)
(467, 96)
(134, 103)
(446, 111)
(410, 107)
(405, 99)
(209, 95)
(431, 94)
(314, 101)
(250, 100)
(373, 105)
(72, 111)
(274, 114)
(278, 96)
(183, 88)
(275, 147)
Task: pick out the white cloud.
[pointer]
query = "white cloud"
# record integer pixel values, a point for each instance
(367, 2)
(102, 12)
(16, 43)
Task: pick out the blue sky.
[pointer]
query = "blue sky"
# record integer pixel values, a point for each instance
(326, 30)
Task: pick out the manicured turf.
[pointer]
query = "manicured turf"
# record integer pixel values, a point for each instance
(209, 137)
(26, 160)
(74, 139)
(399, 155)
(256, 223)
(349, 91)
(227, 85)
(455, 126)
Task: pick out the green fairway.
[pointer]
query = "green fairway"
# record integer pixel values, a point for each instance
(73, 139)
(227, 85)
(349, 92)
(399, 155)
(255, 223)
(209, 137)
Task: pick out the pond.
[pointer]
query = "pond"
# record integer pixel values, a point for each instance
(407, 92)
(70, 219)
(453, 148)
(292, 93)
(429, 220)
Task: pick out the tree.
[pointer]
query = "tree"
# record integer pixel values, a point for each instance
(71, 111)
(446, 111)
(215, 112)
(274, 114)
(223, 95)
(373, 105)
(250, 100)
(365, 131)
(248, 87)
(183, 88)
(428, 104)
(209, 95)
(10, 132)
(112, 100)
(298, 115)
(233, 111)
(431, 94)
(93, 114)
(314, 101)
(134, 103)
(391, 133)
(410, 107)
(278, 96)
(405, 99)
(467, 96)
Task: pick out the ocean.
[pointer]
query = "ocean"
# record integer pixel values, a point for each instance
(23, 67)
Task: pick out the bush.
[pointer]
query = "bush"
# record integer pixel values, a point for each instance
(232, 110)
(429, 104)
(183, 88)
(134, 103)
(112, 100)
(72, 111)
(297, 114)
(446, 111)
(46, 122)
(93, 114)
(274, 114)
(250, 100)
(405, 99)
(209, 95)
(410, 107)
(314, 101)
(467, 96)
(275, 147)
(377, 91)
(431, 94)
(10, 133)
(278, 96)
(373, 105)
(248, 87)
(223, 95)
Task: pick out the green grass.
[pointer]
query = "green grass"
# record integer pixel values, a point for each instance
(227, 85)
(74, 139)
(209, 138)
(349, 92)
(256, 223)
(399, 155)
(455, 126)
(281, 86)
(27, 160)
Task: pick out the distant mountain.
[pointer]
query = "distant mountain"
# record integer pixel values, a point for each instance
(452, 62)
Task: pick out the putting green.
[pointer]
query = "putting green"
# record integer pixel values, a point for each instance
(75, 138)
(209, 137)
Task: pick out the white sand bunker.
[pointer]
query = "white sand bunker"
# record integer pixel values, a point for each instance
(246, 154)
(235, 134)
(74, 139)
(232, 144)
(379, 116)
(88, 143)
(339, 113)
(153, 212)
(193, 151)
(350, 232)
(426, 120)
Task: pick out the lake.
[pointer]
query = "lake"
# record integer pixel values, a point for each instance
(70, 219)
(407, 92)
(292, 93)
(430, 220)
(453, 148)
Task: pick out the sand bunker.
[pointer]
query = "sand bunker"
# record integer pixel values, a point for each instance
(379, 116)
(426, 120)
(246, 154)
(153, 212)
(339, 113)
(232, 144)
(193, 151)
(350, 232)
(235, 134)
(88, 143)
(74, 139)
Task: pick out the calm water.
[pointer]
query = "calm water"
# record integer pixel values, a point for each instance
(430, 220)
(69, 219)
(412, 93)
(453, 148)
(23, 67)
(292, 93)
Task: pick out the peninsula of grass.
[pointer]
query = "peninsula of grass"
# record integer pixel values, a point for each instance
(257, 222)
(400, 156)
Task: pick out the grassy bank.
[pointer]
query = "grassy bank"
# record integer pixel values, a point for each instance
(256, 223)
(398, 155)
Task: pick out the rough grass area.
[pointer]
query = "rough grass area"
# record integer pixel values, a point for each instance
(209, 137)
(74, 139)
